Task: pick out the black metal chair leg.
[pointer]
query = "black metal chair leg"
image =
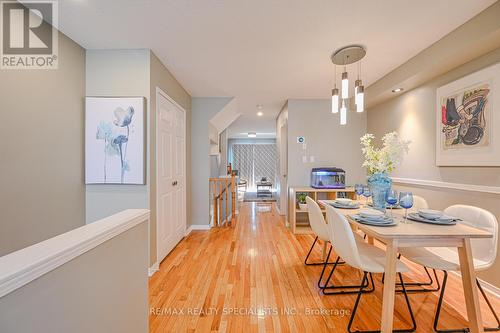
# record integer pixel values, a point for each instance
(324, 268)
(422, 290)
(403, 287)
(309, 253)
(342, 292)
(419, 284)
(489, 329)
(440, 303)
(356, 303)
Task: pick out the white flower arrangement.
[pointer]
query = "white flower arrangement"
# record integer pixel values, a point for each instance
(385, 159)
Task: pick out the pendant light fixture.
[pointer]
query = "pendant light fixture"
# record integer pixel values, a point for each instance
(360, 103)
(359, 92)
(343, 57)
(335, 100)
(345, 85)
(343, 113)
(357, 83)
(335, 93)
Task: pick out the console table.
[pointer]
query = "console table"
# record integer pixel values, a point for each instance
(298, 219)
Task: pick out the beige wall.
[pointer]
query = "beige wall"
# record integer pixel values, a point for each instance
(103, 290)
(42, 192)
(203, 109)
(162, 78)
(413, 115)
(330, 143)
(117, 73)
(134, 73)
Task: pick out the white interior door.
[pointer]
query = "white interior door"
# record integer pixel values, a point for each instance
(171, 172)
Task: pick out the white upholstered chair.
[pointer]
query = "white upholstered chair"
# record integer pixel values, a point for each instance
(363, 256)
(419, 203)
(318, 226)
(484, 252)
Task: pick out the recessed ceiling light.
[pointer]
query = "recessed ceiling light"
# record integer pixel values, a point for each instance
(397, 90)
(252, 134)
(260, 106)
(260, 114)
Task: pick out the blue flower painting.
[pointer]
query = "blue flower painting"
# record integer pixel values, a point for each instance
(115, 149)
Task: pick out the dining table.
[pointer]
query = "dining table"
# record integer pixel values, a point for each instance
(417, 234)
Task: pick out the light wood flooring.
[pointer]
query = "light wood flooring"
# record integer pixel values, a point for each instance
(251, 277)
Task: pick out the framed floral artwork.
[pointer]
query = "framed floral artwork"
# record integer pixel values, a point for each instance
(114, 140)
(468, 120)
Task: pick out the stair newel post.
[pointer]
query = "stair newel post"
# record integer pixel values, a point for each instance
(233, 197)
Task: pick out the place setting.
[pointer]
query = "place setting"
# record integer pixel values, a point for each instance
(373, 217)
(432, 216)
(344, 203)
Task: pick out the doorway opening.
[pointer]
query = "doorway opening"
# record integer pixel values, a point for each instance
(256, 162)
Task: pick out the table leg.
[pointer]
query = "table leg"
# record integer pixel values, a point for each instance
(470, 289)
(389, 286)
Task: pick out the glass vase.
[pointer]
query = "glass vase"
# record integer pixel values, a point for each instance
(379, 184)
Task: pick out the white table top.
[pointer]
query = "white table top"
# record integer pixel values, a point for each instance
(414, 230)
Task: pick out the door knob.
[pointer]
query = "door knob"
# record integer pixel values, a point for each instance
(174, 183)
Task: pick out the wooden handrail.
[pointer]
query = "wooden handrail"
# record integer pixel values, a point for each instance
(219, 189)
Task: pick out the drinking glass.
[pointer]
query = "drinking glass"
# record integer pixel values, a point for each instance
(359, 189)
(391, 198)
(406, 201)
(366, 193)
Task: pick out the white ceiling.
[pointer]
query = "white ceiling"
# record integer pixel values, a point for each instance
(264, 51)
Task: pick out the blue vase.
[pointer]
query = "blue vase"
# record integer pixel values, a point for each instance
(379, 184)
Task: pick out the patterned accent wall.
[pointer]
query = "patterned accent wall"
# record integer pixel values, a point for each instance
(254, 161)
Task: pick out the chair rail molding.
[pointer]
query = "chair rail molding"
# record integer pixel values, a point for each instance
(447, 185)
(23, 266)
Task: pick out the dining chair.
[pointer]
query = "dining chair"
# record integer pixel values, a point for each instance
(484, 252)
(363, 256)
(419, 203)
(318, 226)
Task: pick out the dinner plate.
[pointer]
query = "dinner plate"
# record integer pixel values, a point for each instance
(344, 201)
(342, 206)
(448, 220)
(430, 214)
(386, 222)
(384, 219)
(371, 213)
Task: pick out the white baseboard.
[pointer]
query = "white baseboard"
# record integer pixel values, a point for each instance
(153, 269)
(197, 227)
(488, 287)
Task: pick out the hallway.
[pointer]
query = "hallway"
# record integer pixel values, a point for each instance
(250, 277)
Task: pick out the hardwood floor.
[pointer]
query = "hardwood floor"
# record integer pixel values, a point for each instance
(250, 277)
